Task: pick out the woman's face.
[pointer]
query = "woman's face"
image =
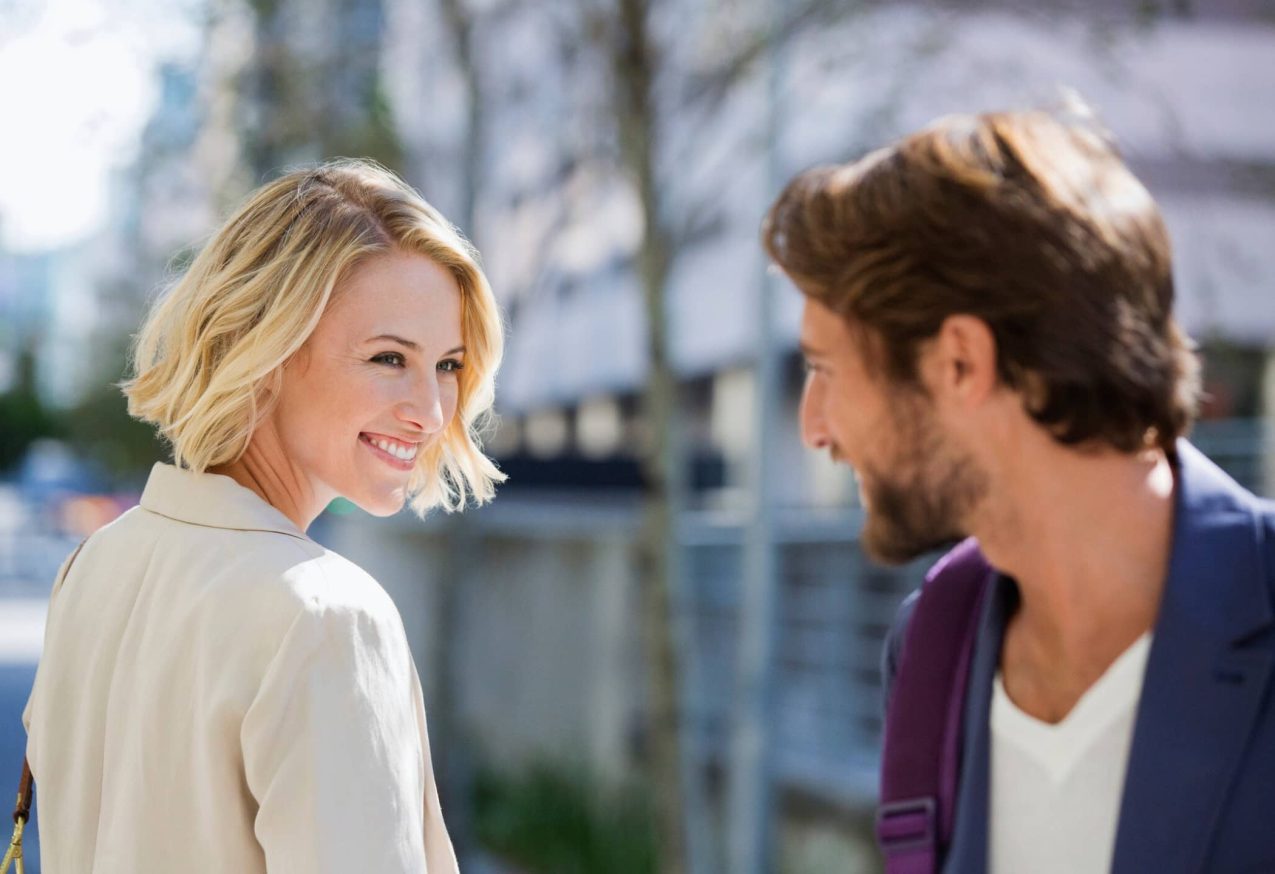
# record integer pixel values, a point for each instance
(375, 383)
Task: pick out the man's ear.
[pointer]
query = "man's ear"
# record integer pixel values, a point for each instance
(961, 360)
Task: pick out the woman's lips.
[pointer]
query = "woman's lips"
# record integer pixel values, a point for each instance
(401, 464)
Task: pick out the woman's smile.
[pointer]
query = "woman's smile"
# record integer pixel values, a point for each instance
(397, 454)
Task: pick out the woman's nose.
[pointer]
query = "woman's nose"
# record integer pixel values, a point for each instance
(423, 408)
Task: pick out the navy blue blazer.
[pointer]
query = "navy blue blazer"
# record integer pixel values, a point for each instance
(1199, 793)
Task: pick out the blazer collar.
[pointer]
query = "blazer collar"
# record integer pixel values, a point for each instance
(1217, 573)
(1204, 687)
(211, 500)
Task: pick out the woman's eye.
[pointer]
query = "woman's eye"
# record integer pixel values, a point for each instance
(393, 359)
(451, 365)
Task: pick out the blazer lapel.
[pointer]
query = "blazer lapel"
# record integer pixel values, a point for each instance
(1202, 689)
(969, 850)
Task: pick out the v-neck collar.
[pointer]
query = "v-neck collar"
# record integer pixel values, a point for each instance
(1059, 746)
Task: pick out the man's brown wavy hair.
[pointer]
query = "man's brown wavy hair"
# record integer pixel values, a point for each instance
(1032, 223)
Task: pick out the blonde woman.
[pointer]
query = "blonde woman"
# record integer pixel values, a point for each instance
(219, 693)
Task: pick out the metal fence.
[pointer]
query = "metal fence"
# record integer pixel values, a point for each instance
(833, 613)
(835, 608)
(1244, 448)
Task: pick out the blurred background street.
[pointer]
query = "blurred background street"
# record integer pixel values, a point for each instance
(657, 649)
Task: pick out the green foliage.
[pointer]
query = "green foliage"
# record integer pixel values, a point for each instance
(551, 820)
(375, 137)
(98, 426)
(100, 429)
(23, 417)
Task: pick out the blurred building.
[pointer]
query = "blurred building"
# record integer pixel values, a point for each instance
(48, 309)
(25, 306)
(1185, 87)
(524, 615)
(273, 85)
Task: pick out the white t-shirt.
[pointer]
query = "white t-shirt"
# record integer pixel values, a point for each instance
(1056, 789)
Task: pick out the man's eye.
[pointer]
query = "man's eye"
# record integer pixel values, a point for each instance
(451, 365)
(393, 359)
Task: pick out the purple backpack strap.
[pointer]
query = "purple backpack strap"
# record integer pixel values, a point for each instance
(920, 762)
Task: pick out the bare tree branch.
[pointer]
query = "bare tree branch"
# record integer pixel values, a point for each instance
(711, 86)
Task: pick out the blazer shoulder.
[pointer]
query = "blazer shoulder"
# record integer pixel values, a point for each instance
(265, 574)
(275, 571)
(1265, 511)
(892, 652)
(297, 605)
(330, 581)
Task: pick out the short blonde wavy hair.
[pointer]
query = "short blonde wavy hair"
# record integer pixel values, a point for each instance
(211, 349)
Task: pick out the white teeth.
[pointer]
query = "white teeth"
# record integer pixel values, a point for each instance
(398, 450)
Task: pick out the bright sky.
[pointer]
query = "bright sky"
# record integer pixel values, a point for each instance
(76, 87)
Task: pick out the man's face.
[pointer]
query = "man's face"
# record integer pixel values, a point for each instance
(916, 484)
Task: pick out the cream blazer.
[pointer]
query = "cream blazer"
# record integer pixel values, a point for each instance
(219, 693)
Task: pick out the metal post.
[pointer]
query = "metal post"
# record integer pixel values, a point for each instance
(701, 850)
(751, 802)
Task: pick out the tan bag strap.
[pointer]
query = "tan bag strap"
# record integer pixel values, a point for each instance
(22, 810)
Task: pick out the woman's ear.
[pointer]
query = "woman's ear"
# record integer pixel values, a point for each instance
(270, 387)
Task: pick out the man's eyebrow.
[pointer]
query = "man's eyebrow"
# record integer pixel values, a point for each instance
(810, 351)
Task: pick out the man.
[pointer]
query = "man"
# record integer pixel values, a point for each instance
(991, 345)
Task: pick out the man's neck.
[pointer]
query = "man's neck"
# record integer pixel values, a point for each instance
(1087, 537)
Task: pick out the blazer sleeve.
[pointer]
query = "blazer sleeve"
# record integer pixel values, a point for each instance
(58, 579)
(334, 752)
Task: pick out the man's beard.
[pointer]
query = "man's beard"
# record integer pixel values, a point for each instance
(922, 501)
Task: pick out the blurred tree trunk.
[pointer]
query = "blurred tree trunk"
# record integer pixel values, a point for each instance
(271, 109)
(633, 66)
(460, 26)
(635, 59)
(447, 730)
(318, 102)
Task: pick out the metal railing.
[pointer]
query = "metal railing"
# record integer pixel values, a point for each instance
(835, 608)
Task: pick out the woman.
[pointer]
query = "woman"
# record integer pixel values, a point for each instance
(218, 692)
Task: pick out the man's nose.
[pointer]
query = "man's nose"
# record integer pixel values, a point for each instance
(814, 431)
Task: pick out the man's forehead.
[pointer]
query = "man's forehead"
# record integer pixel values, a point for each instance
(823, 331)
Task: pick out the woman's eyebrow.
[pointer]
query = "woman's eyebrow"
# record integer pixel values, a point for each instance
(394, 339)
